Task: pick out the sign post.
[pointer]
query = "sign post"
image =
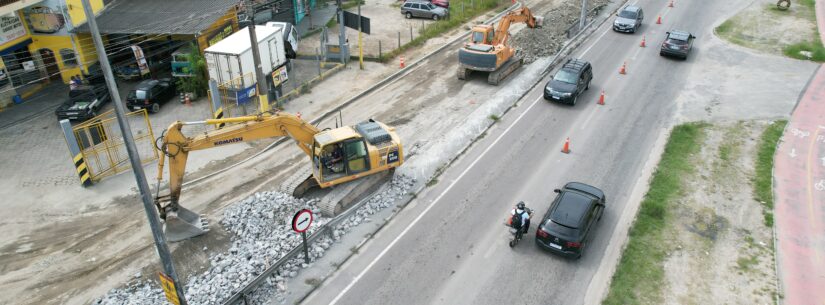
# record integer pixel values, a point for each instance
(300, 223)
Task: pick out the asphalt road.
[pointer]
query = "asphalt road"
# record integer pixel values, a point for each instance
(449, 246)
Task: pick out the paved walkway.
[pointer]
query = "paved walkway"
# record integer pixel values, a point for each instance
(799, 181)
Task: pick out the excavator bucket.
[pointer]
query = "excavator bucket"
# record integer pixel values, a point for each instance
(184, 224)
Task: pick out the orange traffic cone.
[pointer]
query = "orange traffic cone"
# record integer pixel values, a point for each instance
(670, 4)
(402, 62)
(659, 20)
(623, 69)
(566, 148)
(601, 99)
(643, 42)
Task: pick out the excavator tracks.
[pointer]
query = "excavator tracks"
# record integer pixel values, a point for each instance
(505, 70)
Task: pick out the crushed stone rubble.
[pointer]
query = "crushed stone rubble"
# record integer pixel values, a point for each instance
(547, 40)
(262, 234)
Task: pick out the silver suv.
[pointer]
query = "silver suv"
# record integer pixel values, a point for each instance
(423, 9)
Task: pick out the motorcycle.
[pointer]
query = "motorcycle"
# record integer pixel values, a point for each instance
(518, 234)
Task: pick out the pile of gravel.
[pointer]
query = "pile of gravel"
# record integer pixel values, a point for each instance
(546, 41)
(262, 234)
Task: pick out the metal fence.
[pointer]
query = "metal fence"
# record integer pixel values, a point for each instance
(103, 149)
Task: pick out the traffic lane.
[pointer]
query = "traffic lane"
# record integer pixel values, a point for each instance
(403, 283)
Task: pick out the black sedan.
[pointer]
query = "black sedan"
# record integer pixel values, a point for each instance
(571, 219)
(83, 103)
(150, 94)
(677, 44)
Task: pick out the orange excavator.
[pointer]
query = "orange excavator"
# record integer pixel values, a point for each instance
(489, 51)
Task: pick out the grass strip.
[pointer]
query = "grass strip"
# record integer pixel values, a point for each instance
(639, 276)
(763, 182)
(458, 16)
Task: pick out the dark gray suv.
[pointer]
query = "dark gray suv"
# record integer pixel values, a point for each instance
(423, 9)
(571, 80)
(629, 19)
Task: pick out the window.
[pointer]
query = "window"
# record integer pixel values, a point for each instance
(478, 37)
(415, 6)
(408, 5)
(356, 153)
(68, 56)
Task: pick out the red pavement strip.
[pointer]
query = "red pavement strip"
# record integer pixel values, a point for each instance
(799, 186)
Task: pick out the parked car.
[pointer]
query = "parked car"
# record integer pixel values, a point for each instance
(150, 94)
(677, 44)
(83, 103)
(442, 3)
(568, 225)
(423, 9)
(569, 82)
(629, 19)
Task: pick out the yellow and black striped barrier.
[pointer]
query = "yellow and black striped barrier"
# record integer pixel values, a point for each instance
(77, 156)
(218, 116)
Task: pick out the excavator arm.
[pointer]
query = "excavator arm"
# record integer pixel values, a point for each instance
(519, 15)
(175, 146)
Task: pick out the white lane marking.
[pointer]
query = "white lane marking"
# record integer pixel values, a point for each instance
(437, 199)
(639, 49)
(594, 43)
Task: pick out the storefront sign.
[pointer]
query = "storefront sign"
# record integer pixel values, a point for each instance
(279, 76)
(11, 28)
(245, 95)
(220, 35)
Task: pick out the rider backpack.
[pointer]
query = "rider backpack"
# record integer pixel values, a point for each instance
(516, 221)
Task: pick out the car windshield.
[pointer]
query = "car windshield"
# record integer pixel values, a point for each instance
(678, 37)
(676, 41)
(627, 14)
(559, 230)
(565, 76)
(478, 37)
(137, 94)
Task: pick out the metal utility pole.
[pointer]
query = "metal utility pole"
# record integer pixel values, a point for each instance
(342, 35)
(583, 18)
(134, 158)
(262, 88)
(360, 42)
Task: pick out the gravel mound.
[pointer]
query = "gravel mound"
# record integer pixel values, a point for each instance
(546, 41)
(262, 234)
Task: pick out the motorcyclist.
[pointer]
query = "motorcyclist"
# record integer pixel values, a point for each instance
(521, 209)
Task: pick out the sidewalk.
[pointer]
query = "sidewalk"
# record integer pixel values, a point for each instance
(799, 181)
(47, 99)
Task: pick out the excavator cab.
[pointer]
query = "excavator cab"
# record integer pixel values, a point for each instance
(347, 153)
(482, 34)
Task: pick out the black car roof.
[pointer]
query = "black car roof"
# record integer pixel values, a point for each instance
(571, 208)
(576, 65)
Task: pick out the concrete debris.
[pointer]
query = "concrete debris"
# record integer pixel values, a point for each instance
(546, 41)
(262, 234)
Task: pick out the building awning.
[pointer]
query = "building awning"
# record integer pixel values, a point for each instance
(15, 47)
(183, 17)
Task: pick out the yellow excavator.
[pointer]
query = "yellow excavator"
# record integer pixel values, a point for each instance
(490, 51)
(337, 156)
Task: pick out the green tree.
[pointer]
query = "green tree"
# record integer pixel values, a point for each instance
(198, 82)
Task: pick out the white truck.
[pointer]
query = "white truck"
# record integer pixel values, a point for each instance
(230, 63)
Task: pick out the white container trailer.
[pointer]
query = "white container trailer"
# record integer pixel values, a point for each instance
(230, 61)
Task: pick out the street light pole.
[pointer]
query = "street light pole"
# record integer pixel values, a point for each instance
(583, 18)
(134, 158)
(263, 93)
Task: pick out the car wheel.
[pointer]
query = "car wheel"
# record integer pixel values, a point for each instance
(575, 99)
(588, 86)
(408, 15)
(155, 108)
(435, 17)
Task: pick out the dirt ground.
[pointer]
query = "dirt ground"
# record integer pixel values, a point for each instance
(763, 27)
(721, 250)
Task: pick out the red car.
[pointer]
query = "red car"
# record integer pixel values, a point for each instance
(441, 3)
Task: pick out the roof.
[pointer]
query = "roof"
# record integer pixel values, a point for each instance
(146, 84)
(679, 35)
(632, 8)
(571, 209)
(238, 42)
(185, 17)
(574, 64)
